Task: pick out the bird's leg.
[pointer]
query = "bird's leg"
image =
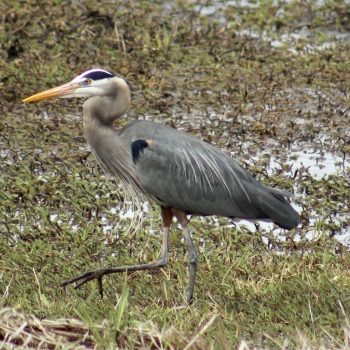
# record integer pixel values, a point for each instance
(192, 252)
(167, 216)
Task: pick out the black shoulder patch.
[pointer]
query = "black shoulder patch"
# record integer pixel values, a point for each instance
(99, 74)
(136, 148)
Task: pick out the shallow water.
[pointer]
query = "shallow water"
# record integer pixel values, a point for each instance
(291, 41)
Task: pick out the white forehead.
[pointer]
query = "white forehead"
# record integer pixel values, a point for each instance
(95, 74)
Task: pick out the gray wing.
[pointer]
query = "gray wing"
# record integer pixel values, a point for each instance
(186, 173)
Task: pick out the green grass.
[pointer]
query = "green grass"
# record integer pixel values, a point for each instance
(196, 73)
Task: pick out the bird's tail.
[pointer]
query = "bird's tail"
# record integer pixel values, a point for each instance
(274, 206)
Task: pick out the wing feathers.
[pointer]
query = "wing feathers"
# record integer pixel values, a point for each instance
(188, 174)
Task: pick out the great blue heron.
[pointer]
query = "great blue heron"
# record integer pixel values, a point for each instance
(181, 173)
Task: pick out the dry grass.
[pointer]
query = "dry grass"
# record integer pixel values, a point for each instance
(27, 331)
(18, 330)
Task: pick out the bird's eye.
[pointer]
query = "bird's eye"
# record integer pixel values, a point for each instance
(87, 81)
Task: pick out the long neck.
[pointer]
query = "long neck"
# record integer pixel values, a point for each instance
(99, 112)
(110, 149)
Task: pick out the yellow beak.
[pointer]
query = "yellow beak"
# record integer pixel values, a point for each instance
(58, 91)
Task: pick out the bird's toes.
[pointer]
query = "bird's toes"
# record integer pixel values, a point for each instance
(83, 278)
(100, 286)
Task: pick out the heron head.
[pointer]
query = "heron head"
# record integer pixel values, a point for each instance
(94, 82)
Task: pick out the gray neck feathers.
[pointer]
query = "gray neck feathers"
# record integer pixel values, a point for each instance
(113, 153)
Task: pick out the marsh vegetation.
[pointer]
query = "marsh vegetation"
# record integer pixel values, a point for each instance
(266, 81)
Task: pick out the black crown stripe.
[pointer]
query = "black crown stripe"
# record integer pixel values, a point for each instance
(99, 74)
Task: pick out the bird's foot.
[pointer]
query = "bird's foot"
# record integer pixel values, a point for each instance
(99, 273)
(86, 277)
